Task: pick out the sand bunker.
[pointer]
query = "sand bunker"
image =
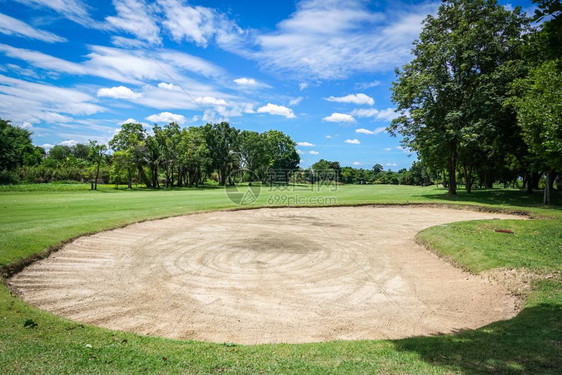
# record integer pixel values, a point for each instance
(269, 275)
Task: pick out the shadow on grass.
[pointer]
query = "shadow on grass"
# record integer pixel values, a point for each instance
(530, 343)
(517, 198)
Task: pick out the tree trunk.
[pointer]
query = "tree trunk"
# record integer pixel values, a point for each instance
(468, 178)
(143, 177)
(546, 199)
(452, 169)
(130, 179)
(97, 176)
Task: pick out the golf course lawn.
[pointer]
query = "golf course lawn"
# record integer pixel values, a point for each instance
(36, 217)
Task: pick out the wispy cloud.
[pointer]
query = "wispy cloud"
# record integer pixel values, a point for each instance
(197, 24)
(136, 17)
(23, 101)
(305, 144)
(121, 65)
(352, 141)
(12, 26)
(74, 10)
(326, 40)
(387, 114)
(296, 101)
(359, 99)
(371, 132)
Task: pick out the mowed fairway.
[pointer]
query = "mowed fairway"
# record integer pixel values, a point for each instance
(529, 343)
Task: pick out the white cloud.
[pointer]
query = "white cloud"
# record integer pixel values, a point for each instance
(42, 60)
(26, 125)
(209, 100)
(70, 143)
(47, 146)
(12, 26)
(356, 163)
(305, 144)
(339, 117)
(326, 40)
(246, 82)
(166, 117)
(74, 10)
(135, 17)
(368, 85)
(198, 24)
(352, 141)
(328, 137)
(391, 164)
(313, 152)
(122, 65)
(387, 149)
(404, 150)
(385, 114)
(300, 152)
(130, 120)
(358, 99)
(169, 86)
(296, 101)
(303, 85)
(22, 101)
(120, 41)
(118, 92)
(278, 110)
(367, 131)
(190, 63)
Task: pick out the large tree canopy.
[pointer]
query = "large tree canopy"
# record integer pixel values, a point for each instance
(450, 95)
(15, 144)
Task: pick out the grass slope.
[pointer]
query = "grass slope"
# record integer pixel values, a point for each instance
(35, 217)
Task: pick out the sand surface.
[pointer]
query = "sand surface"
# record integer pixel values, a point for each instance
(269, 275)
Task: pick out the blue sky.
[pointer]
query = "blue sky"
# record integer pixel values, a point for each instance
(318, 70)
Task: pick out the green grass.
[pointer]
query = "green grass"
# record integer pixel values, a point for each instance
(536, 245)
(35, 217)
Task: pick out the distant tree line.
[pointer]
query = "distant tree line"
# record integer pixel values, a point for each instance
(169, 156)
(482, 97)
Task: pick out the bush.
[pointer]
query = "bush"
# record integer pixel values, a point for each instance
(8, 177)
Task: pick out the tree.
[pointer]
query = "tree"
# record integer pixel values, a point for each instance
(444, 93)
(222, 142)
(281, 150)
(550, 37)
(132, 139)
(34, 156)
(167, 140)
(96, 154)
(123, 162)
(253, 152)
(80, 151)
(539, 111)
(15, 149)
(194, 157)
(377, 168)
(153, 156)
